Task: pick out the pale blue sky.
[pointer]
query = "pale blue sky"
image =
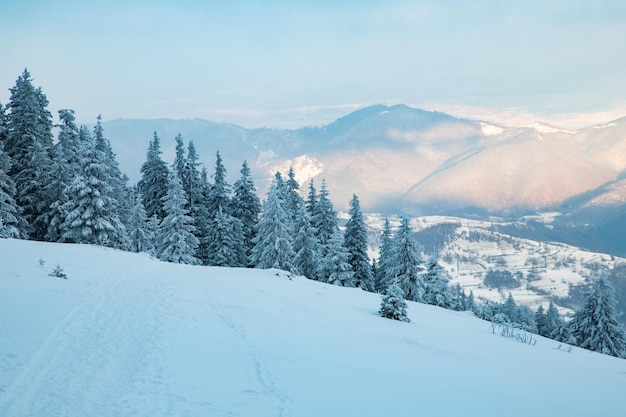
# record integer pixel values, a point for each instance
(294, 63)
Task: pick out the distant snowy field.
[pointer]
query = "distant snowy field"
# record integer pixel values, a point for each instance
(126, 335)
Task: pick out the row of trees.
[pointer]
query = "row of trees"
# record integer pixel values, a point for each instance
(72, 190)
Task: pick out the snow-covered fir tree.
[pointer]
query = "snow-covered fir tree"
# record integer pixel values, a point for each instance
(91, 210)
(175, 241)
(405, 264)
(594, 325)
(311, 201)
(335, 267)
(154, 182)
(392, 304)
(29, 145)
(554, 325)
(196, 188)
(384, 253)
(117, 180)
(294, 201)
(436, 290)
(273, 242)
(180, 161)
(65, 167)
(246, 205)
(219, 191)
(9, 211)
(509, 309)
(225, 241)
(307, 248)
(460, 301)
(139, 233)
(355, 241)
(324, 218)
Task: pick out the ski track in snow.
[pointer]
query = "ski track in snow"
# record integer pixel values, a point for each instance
(53, 381)
(261, 371)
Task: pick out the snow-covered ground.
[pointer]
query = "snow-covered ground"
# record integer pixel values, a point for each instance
(126, 335)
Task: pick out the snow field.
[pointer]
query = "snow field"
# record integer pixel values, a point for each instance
(126, 335)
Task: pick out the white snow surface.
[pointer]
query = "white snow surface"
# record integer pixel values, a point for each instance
(127, 335)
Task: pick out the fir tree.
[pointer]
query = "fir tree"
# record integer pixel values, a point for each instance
(175, 241)
(64, 169)
(225, 241)
(180, 161)
(509, 309)
(117, 180)
(139, 233)
(307, 248)
(325, 218)
(219, 191)
(392, 305)
(595, 326)
(405, 264)
(91, 211)
(246, 206)
(554, 325)
(540, 319)
(436, 290)
(355, 241)
(29, 146)
(154, 181)
(384, 253)
(197, 189)
(9, 211)
(335, 268)
(294, 201)
(311, 202)
(273, 242)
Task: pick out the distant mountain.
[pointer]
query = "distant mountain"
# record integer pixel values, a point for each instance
(401, 158)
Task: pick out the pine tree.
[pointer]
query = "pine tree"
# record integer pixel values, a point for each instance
(540, 319)
(219, 192)
(509, 309)
(392, 305)
(29, 146)
(180, 161)
(335, 268)
(91, 211)
(117, 180)
(197, 189)
(64, 169)
(325, 218)
(294, 201)
(175, 241)
(9, 211)
(225, 241)
(307, 248)
(154, 181)
(139, 233)
(273, 242)
(405, 264)
(384, 253)
(436, 290)
(595, 326)
(355, 241)
(554, 325)
(311, 202)
(246, 206)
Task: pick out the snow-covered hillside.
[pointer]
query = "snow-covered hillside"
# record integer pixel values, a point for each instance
(469, 249)
(126, 335)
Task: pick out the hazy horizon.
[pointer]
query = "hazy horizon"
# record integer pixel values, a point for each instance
(294, 64)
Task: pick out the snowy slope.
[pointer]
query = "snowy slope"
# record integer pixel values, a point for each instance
(127, 335)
